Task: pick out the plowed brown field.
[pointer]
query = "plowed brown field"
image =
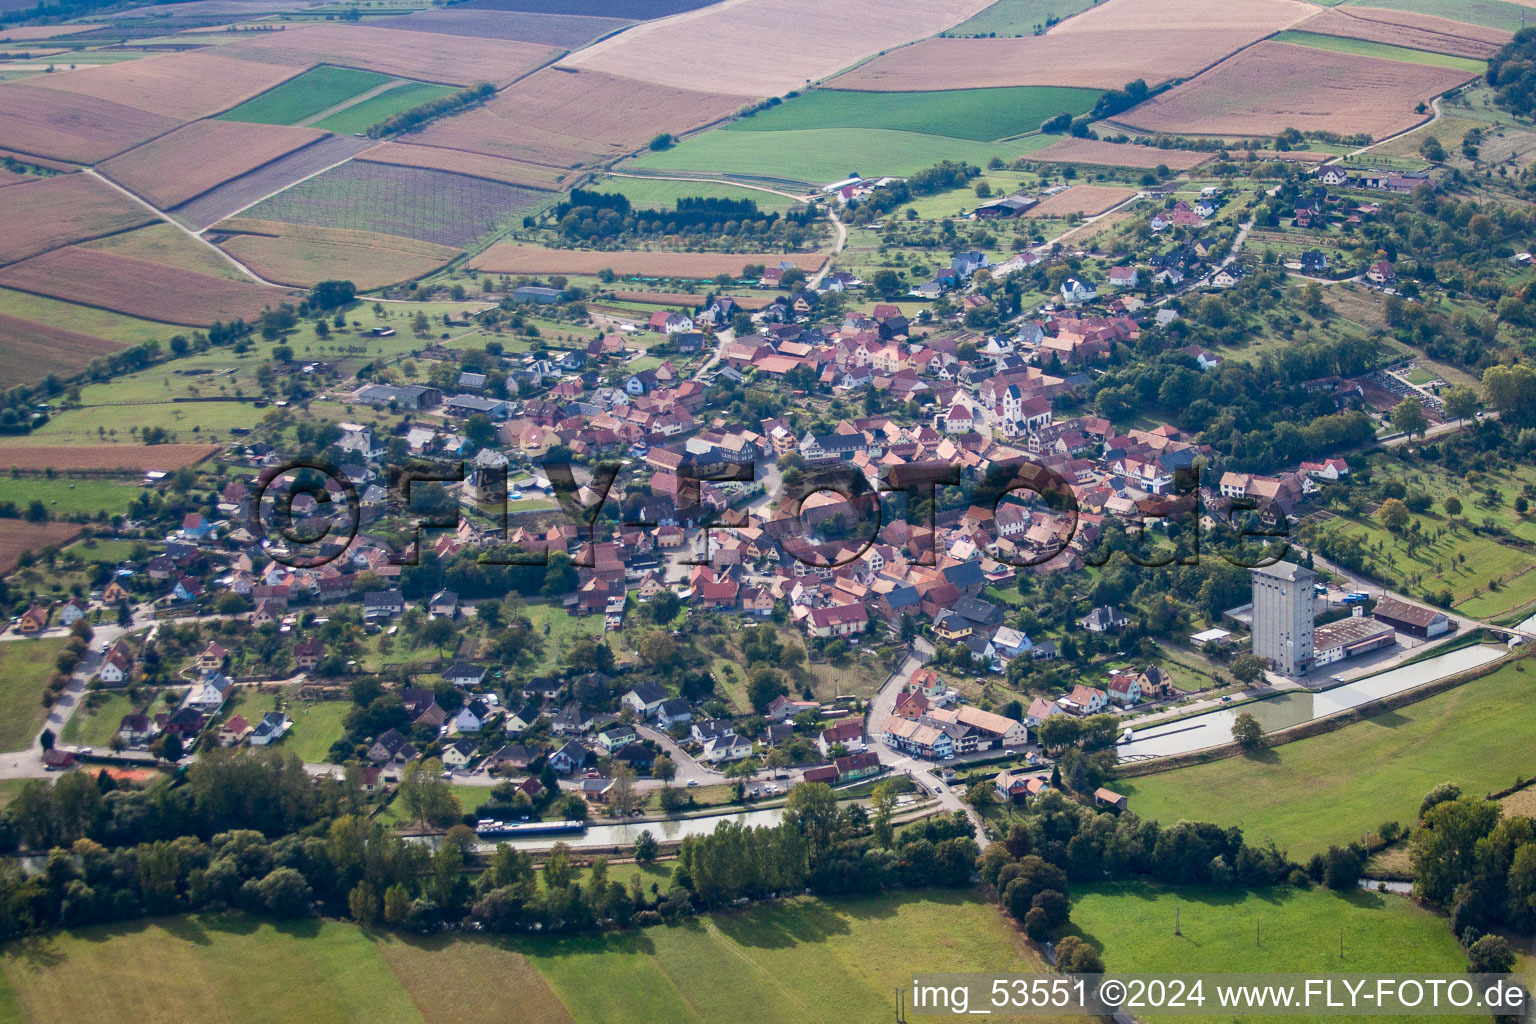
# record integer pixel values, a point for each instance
(29, 351)
(429, 56)
(50, 123)
(50, 212)
(17, 535)
(561, 119)
(1088, 200)
(106, 456)
(1108, 154)
(1104, 47)
(184, 86)
(756, 48)
(203, 155)
(1273, 86)
(139, 288)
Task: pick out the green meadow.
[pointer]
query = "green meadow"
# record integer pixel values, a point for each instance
(1332, 788)
(799, 962)
(822, 155)
(1366, 48)
(316, 90)
(976, 114)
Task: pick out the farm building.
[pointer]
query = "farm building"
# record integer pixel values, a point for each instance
(1413, 620)
(1348, 638)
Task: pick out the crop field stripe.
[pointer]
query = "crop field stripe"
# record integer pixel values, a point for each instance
(1386, 51)
(819, 155)
(981, 115)
(370, 109)
(1018, 17)
(312, 92)
(1487, 13)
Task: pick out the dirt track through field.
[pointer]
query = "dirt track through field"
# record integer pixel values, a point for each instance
(247, 271)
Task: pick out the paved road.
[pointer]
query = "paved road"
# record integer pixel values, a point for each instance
(722, 339)
(924, 773)
(689, 768)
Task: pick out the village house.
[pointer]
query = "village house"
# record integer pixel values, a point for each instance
(270, 729)
(846, 732)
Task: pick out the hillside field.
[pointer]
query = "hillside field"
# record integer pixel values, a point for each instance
(1488, 13)
(1367, 48)
(1018, 17)
(977, 114)
(316, 90)
(802, 961)
(821, 155)
(1332, 788)
(358, 118)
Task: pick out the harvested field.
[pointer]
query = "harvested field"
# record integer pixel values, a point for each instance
(429, 56)
(1088, 200)
(1108, 154)
(1258, 18)
(1401, 28)
(528, 259)
(1102, 48)
(29, 351)
(139, 288)
(27, 33)
(168, 245)
(83, 129)
(135, 457)
(304, 256)
(567, 32)
(36, 161)
(184, 86)
(560, 119)
(638, 10)
(17, 536)
(431, 206)
(1107, 60)
(476, 165)
(49, 212)
(756, 48)
(235, 195)
(192, 160)
(1273, 86)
